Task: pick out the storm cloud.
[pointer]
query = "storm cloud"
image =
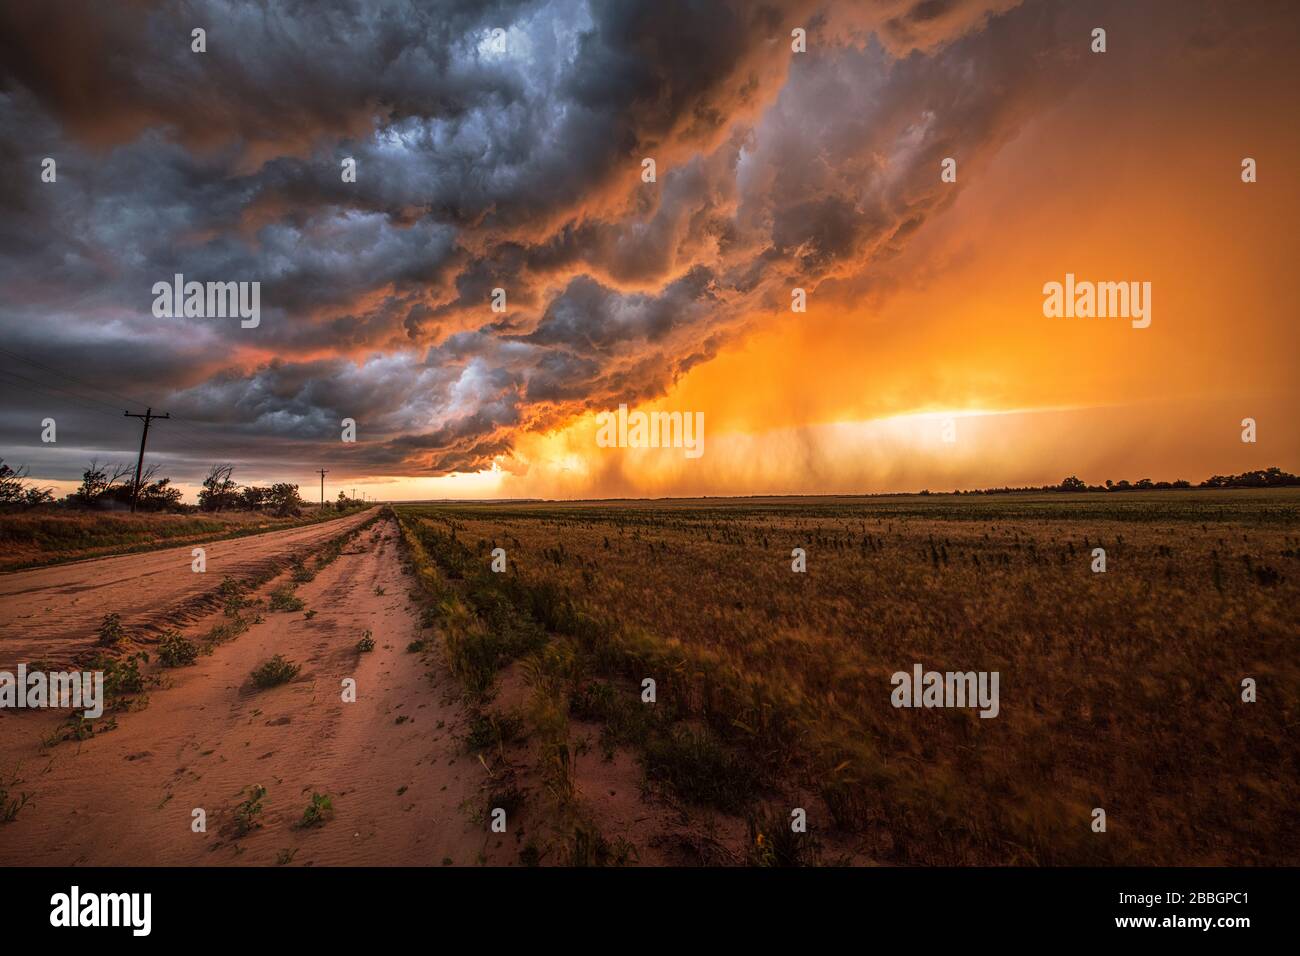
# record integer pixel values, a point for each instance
(479, 167)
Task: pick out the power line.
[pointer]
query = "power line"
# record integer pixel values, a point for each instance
(130, 400)
(80, 402)
(198, 443)
(71, 378)
(147, 417)
(47, 387)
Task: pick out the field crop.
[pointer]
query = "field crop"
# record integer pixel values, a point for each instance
(1120, 690)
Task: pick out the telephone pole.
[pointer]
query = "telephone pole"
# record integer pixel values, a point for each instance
(147, 417)
(323, 473)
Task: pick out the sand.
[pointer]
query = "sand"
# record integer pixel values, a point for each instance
(52, 613)
(404, 792)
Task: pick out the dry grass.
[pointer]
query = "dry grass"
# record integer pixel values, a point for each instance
(1118, 690)
(35, 539)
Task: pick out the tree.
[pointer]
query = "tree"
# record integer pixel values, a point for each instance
(1270, 478)
(11, 483)
(283, 499)
(1073, 484)
(253, 497)
(94, 482)
(344, 502)
(120, 494)
(98, 484)
(158, 496)
(14, 489)
(219, 490)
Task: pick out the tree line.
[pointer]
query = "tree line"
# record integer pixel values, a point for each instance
(1262, 478)
(108, 487)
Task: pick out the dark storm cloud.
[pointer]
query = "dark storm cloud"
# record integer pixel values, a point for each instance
(588, 318)
(476, 170)
(275, 73)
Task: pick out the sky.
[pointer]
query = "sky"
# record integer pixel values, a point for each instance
(502, 146)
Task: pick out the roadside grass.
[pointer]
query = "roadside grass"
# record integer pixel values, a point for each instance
(585, 845)
(489, 621)
(502, 618)
(11, 804)
(772, 841)
(46, 537)
(492, 731)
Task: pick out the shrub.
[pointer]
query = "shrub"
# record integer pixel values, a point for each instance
(318, 811)
(111, 631)
(175, 651)
(246, 813)
(231, 593)
(121, 674)
(301, 573)
(275, 672)
(283, 599)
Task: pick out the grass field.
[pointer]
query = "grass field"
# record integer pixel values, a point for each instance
(1119, 690)
(47, 536)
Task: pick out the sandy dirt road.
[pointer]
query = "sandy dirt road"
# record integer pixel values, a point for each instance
(51, 613)
(403, 789)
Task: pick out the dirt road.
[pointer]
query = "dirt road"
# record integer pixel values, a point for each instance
(51, 613)
(402, 789)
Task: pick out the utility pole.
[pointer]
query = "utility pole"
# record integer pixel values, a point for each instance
(322, 487)
(147, 417)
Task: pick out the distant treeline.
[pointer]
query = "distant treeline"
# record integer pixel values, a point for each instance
(1266, 478)
(111, 487)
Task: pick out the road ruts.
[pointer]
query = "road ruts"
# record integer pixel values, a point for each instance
(52, 613)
